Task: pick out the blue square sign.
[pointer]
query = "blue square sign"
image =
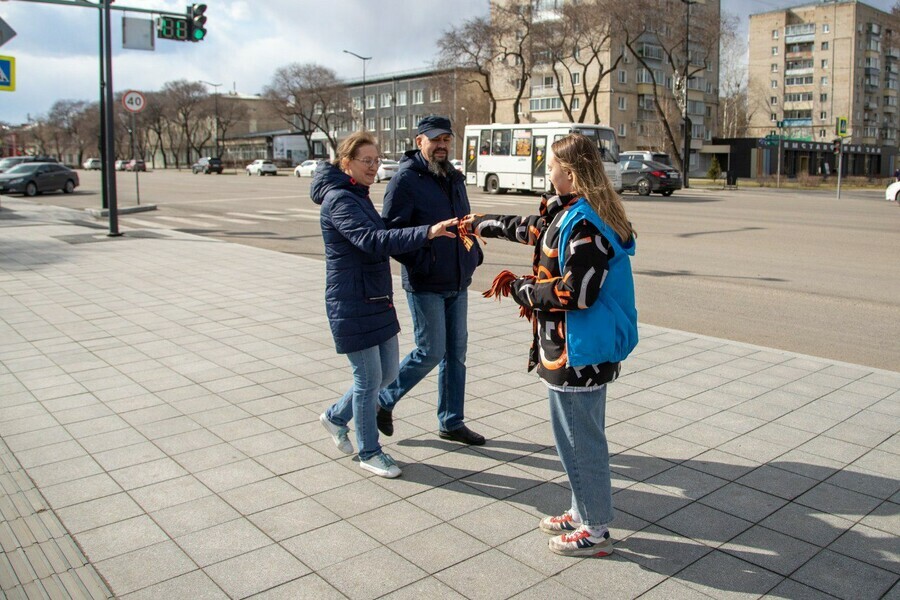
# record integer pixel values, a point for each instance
(7, 74)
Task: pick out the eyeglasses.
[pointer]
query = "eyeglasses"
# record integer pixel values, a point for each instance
(369, 162)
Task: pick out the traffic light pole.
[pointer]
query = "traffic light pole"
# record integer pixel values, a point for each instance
(778, 166)
(840, 165)
(109, 141)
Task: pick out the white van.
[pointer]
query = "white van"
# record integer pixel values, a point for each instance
(660, 157)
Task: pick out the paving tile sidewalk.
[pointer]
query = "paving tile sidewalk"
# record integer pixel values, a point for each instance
(161, 392)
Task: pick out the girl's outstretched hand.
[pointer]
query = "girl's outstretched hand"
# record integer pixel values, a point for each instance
(442, 229)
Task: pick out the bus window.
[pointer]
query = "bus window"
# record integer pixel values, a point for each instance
(485, 146)
(523, 142)
(501, 143)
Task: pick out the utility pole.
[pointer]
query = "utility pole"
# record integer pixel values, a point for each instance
(109, 143)
(363, 59)
(687, 65)
(216, 88)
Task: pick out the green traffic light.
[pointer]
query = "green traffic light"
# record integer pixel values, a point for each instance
(199, 34)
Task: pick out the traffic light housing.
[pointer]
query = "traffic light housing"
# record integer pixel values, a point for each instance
(836, 144)
(196, 22)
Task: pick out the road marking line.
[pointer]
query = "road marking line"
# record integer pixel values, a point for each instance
(226, 219)
(256, 216)
(199, 224)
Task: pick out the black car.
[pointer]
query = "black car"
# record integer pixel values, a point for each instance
(646, 176)
(11, 161)
(207, 165)
(33, 178)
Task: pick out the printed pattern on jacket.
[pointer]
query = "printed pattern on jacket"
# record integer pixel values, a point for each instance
(550, 292)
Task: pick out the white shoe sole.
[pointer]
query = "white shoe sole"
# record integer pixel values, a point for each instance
(381, 472)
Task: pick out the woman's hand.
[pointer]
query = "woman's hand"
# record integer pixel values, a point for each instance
(442, 229)
(469, 219)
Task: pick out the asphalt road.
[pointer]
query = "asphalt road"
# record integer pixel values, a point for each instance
(800, 271)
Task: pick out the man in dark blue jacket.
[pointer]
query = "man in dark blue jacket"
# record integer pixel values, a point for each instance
(427, 189)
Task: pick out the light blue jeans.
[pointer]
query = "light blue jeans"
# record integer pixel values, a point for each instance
(579, 420)
(373, 368)
(442, 335)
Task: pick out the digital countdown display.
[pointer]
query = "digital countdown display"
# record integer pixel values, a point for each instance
(172, 28)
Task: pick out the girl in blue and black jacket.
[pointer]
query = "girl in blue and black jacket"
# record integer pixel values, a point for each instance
(358, 291)
(580, 298)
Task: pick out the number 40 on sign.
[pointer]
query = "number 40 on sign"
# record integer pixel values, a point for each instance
(133, 101)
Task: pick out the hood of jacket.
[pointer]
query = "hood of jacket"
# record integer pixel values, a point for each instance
(329, 178)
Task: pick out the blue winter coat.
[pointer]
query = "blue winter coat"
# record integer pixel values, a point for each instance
(358, 286)
(415, 196)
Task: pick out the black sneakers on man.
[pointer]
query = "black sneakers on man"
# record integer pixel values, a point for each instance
(463, 435)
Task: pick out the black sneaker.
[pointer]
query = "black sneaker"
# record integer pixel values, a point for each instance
(385, 421)
(464, 435)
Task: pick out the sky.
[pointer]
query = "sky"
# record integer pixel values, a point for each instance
(56, 47)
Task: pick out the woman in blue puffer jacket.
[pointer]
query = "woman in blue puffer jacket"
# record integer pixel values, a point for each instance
(359, 291)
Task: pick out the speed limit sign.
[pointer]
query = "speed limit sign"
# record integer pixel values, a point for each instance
(133, 101)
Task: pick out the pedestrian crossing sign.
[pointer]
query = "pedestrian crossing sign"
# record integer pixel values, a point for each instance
(7, 74)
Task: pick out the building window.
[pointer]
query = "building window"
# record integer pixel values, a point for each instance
(774, 67)
(821, 133)
(418, 97)
(826, 28)
(576, 78)
(435, 95)
(774, 83)
(823, 97)
(823, 115)
(709, 111)
(824, 45)
(622, 103)
(622, 130)
(774, 34)
(386, 123)
(824, 81)
(824, 63)
(357, 103)
(401, 122)
(576, 103)
(401, 98)
(623, 76)
(370, 101)
(773, 117)
(386, 146)
(773, 100)
(385, 100)
(370, 124)
(538, 104)
(774, 50)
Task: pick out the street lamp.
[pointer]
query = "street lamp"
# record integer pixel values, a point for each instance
(363, 59)
(216, 86)
(687, 66)
(463, 108)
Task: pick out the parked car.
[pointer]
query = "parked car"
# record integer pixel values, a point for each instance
(457, 164)
(207, 165)
(660, 157)
(11, 161)
(136, 164)
(32, 178)
(892, 193)
(120, 165)
(262, 166)
(646, 176)
(387, 169)
(307, 167)
(92, 164)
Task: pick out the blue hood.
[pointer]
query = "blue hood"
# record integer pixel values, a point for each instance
(328, 178)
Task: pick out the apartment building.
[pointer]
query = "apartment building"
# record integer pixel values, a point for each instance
(813, 63)
(625, 98)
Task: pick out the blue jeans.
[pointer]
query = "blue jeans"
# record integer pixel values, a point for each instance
(578, 420)
(373, 368)
(442, 335)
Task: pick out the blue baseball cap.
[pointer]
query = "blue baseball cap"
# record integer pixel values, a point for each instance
(434, 126)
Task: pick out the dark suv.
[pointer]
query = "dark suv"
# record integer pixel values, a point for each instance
(207, 165)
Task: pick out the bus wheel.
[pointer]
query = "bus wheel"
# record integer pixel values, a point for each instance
(492, 185)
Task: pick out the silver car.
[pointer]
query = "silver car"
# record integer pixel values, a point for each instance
(387, 169)
(262, 166)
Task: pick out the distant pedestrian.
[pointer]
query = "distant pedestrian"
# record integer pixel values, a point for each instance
(427, 189)
(580, 300)
(359, 293)
(897, 174)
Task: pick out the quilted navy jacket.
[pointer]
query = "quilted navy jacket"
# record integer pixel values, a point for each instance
(358, 287)
(414, 196)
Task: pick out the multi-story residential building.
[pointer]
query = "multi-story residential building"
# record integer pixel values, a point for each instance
(393, 104)
(813, 63)
(625, 99)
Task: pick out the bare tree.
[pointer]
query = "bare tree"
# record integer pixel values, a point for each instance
(470, 48)
(310, 98)
(190, 110)
(513, 25)
(733, 100)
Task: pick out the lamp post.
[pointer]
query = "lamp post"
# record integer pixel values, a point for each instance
(363, 59)
(216, 87)
(687, 66)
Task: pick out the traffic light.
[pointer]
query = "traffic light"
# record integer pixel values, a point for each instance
(837, 146)
(196, 22)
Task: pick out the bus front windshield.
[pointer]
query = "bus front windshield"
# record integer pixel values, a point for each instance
(606, 142)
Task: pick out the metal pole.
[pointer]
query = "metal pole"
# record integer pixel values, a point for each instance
(840, 165)
(778, 165)
(137, 183)
(109, 141)
(363, 59)
(104, 196)
(687, 120)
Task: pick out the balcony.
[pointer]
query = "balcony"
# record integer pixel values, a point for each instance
(803, 71)
(806, 122)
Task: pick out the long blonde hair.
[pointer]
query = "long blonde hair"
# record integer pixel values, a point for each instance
(579, 156)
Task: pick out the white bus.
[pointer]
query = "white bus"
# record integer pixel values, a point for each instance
(499, 157)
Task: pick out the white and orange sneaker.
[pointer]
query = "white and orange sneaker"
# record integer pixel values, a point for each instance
(582, 543)
(563, 523)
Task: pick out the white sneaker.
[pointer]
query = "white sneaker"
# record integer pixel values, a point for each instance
(338, 434)
(382, 465)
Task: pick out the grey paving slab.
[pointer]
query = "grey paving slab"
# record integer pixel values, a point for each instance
(167, 411)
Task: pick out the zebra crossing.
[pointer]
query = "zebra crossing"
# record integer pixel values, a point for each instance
(205, 220)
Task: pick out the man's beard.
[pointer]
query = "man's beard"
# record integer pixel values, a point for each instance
(440, 168)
